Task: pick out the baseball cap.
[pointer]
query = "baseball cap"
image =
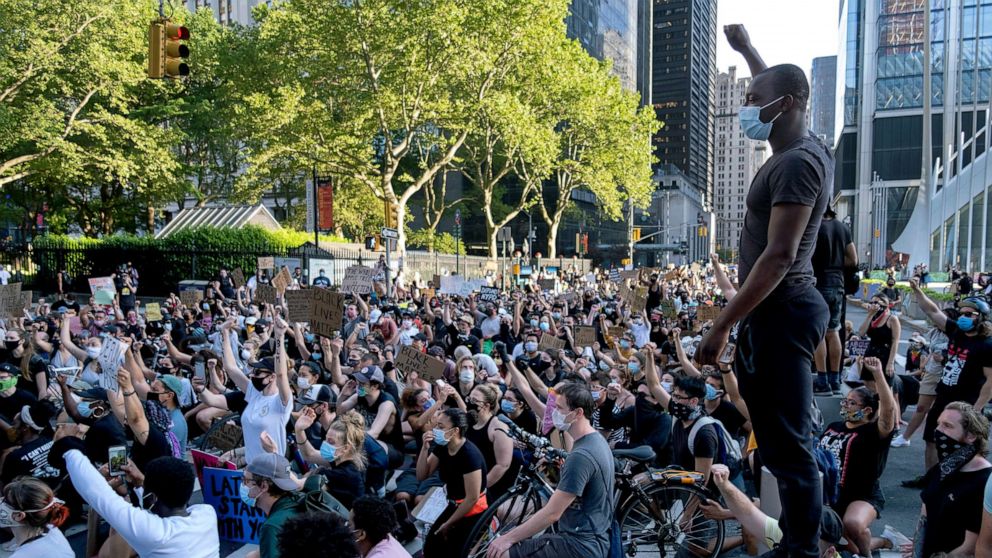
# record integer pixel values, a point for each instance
(374, 315)
(267, 363)
(274, 467)
(370, 374)
(172, 384)
(323, 395)
(420, 337)
(93, 394)
(467, 319)
(9, 368)
(250, 320)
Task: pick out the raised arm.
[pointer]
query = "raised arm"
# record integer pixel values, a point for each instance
(928, 306)
(739, 41)
(282, 360)
(722, 281)
(231, 367)
(66, 338)
(684, 362)
(133, 409)
(654, 381)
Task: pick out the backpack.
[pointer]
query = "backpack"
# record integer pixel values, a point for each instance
(729, 452)
(313, 498)
(827, 465)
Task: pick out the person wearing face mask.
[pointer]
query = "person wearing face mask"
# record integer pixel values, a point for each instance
(94, 410)
(466, 377)
(340, 455)
(640, 331)
(644, 419)
(951, 517)
(716, 405)
(365, 394)
(492, 438)
(33, 514)
(308, 386)
(269, 486)
(883, 330)
(373, 521)
(967, 374)
(12, 398)
(514, 406)
(165, 391)
(321, 280)
(859, 444)
(460, 332)
(582, 503)
(33, 431)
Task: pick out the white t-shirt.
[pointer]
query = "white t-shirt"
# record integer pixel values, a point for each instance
(51, 545)
(264, 413)
(490, 326)
(151, 536)
(4, 276)
(642, 334)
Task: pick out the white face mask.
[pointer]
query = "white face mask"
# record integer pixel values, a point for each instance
(466, 375)
(303, 383)
(92, 351)
(245, 354)
(560, 420)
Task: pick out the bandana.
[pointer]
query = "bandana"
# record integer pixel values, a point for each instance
(952, 453)
(26, 419)
(684, 412)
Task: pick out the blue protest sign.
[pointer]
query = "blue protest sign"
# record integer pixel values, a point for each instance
(236, 521)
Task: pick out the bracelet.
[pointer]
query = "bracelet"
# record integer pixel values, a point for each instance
(127, 393)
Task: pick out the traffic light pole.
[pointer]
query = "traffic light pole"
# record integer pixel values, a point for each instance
(389, 282)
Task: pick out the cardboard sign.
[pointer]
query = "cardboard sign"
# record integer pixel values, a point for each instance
(428, 294)
(432, 506)
(266, 262)
(639, 300)
(489, 294)
(265, 294)
(236, 521)
(111, 357)
(550, 343)
(103, 290)
(615, 331)
(585, 336)
(546, 284)
(298, 304)
(202, 460)
(427, 367)
(671, 275)
(10, 300)
(668, 309)
(228, 437)
(858, 347)
(27, 297)
(436, 282)
(153, 312)
(707, 313)
(629, 274)
(625, 293)
(326, 312)
(191, 297)
(238, 277)
(282, 280)
(614, 275)
(357, 280)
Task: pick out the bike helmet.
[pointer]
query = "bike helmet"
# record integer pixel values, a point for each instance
(978, 304)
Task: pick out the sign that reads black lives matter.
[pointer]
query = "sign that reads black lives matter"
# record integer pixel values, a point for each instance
(427, 367)
(326, 312)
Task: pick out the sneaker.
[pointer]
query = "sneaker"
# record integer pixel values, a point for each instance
(899, 442)
(9, 546)
(822, 389)
(835, 387)
(895, 538)
(918, 482)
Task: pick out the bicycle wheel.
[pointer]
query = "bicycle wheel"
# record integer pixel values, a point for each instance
(221, 435)
(667, 521)
(510, 510)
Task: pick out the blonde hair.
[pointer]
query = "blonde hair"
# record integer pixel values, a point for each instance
(972, 422)
(351, 426)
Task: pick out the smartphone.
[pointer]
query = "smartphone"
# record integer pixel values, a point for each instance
(440, 383)
(200, 370)
(727, 356)
(116, 460)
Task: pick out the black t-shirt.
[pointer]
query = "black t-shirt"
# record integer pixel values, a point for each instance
(156, 445)
(953, 507)
(31, 459)
(453, 468)
(828, 258)
(105, 433)
(648, 422)
(706, 444)
(730, 417)
(802, 174)
(527, 421)
(963, 375)
(127, 297)
(392, 434)
(345, 482)
(860, 453)
(456, 340)
(63, 304)
(12, 405)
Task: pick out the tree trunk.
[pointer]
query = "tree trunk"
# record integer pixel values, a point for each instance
(151, 219)
(552, 239)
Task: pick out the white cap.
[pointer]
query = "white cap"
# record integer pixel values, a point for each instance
(374, 315)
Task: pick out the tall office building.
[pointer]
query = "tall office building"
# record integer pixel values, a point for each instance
(608, 30)
(737, 160)
(683, 82)
(880, 146)
(823, 98)
(228, 12)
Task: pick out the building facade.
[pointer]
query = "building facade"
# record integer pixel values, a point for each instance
(737, 160)
(823, 98)
(683, 82)
(607, 29)
(228, 12)
(678, 219)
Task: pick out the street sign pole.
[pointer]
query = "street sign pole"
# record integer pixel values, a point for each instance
(389, 236)
(458, 240)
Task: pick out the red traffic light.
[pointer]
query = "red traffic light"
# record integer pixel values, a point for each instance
(176, 32)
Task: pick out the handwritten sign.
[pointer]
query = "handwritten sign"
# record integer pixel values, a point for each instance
(427, 367)
(266, 262)
(551, 343)
(238, 277)
(265, 294)
(103, 290)
(858, 347)
(228, 437)
(615, 331)
(153, 312)
(628, 274)
(546, 284)
(236, 521)
(203, 459)
(671, 275)
(298, 304)
(614, 275)
(357, 280)
(639, 300)
(282, 280)
(10, 300)
(488, 294)
(707, 313)
(668, 309)
(585, 336)
(428, 294)
(111, 357)
(451, 284)
(27, 297)
(436, 282)
(190, 297)
(326, 312)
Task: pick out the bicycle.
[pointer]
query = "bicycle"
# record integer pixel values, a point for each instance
(658, 509)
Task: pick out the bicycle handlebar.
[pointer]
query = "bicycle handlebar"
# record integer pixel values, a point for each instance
(535, 442)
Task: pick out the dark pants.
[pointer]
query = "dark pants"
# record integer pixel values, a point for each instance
(775, 348)
(437, 545)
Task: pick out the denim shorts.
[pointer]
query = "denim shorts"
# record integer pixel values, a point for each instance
(834, 297)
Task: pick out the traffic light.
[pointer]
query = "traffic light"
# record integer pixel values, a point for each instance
(392, 214)
(637, 234)
(165, 51)
(370, 243)
(703, 231)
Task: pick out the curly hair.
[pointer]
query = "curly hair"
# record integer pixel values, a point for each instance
(317, 535)
(409, 399)
(375, 516)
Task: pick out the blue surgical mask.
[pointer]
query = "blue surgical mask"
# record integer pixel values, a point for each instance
(309, 337)
(244, 492)
(751, 124)
(328, 451)
(603, 366)
(966, 324)
(506, 406)
(667, 386)
(530, 346)
(596, 394)
(624, 344)
(429, 403)
(466, 376)
(634, 367)
(439, 437)
(711, 393)
(533, 323)
(84, 409)
(545, 326)
(556, 315)
(316, 356)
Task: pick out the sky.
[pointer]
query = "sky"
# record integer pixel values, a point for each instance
(783, 31)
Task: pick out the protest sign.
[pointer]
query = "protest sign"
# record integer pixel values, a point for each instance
(202, 460)
(488, 294)
(282, 280)
(27, 297)
(357, 280)
(858, 347)
(238, 277)
(546, 284)
(266, 262)
(551, 343)
(671, 275)
(153, 312)
(236, 521)
(10, 299)
(432, 506)
(668, 309)
(191, 297)
(629, 274)
(436, 283)
(298, 304)
(585, 336)
(289, 263)
(639, 300)
(428, 294)
(265, 294)
(451, 284)
(625, 293)
(615, 331)
(614, 275)
(707, 313)
(227, 437)
(111, 357)
(103, 290)
(427, 367)
(326, 312)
